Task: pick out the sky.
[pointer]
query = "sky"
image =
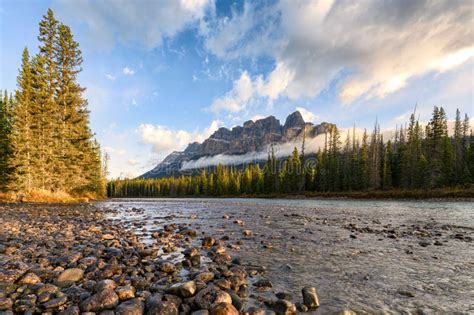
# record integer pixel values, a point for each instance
(161, 74)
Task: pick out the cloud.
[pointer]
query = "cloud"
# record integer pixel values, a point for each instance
(307, 115)
(371, 48)
(237, 99)
(165, 140)
(144, 24)
(110, 77)
(128, 71)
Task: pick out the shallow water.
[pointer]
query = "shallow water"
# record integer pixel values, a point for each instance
(362, 255)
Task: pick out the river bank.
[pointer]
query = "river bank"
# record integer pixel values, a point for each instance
(72, 259)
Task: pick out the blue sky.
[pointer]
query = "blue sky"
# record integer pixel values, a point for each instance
(160, 74)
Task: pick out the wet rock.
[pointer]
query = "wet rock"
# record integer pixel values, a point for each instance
(5, 304)
(57, 302)
(284, 307)
(208, 241)
(255, 311)
(71, 310)
(105, 284)
(184, 290)
(263, 285)
(130, 307)
(167, 267)
(69, 276)
(125, 292)
(155, 306)
(226, 216)
(236, 301)
(424, 243)
(239, 222)
(200, 312)
(210, 296)
(224, 309)
(108, 237)
(47, 288)
(30, 278)
(247, 233)
(103, 300)
(406, 293)
(284, 296)
(347, 312)
(310, 297)
(205, 277)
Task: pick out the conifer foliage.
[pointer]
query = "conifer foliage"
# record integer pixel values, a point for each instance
(46, 140)
(416, 157)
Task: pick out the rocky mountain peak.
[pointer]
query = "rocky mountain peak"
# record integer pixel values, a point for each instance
(294, 120)
(252, 136)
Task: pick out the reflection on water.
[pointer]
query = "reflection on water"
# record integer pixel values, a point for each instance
(402, 256)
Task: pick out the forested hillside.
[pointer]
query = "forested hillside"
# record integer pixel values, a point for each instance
(46, 142)
(417, 157)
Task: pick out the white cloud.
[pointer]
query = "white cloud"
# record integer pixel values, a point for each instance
(143, 23)
(377, 46)
(128, 71)
(276, 83)
(307, 115)
(110, 77)
(164, 139)
(237, 99)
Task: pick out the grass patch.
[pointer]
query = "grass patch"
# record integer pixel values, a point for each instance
(45, 196)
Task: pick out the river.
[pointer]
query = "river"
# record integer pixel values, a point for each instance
(364, 255)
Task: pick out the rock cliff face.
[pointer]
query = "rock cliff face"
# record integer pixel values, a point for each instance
(253, 136)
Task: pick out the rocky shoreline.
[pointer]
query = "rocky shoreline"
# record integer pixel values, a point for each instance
(70, 259)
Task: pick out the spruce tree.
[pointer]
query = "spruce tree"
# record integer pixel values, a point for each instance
(23, 148)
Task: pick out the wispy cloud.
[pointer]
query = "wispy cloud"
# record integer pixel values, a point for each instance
(128, 71)
(164, 139)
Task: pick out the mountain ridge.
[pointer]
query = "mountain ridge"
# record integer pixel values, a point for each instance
(252, 136)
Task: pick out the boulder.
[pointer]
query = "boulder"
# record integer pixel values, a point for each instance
(210, 296)
(310, 297)
(102, 300)
(184, 289)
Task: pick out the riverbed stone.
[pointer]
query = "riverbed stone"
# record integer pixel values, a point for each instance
(29, 279)
(155, 306)
(224, 309)
(57, 302)
(125, 292)
(131, 307)
(102, 300)
(310, 297)
(184, 289)
(69, 276)
(284, 307)
(167, 267)
(210, 296)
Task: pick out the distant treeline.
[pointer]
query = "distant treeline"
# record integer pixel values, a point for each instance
(45, 140)
(415, 158)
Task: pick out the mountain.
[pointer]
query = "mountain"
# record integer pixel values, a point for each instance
(253, 136)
